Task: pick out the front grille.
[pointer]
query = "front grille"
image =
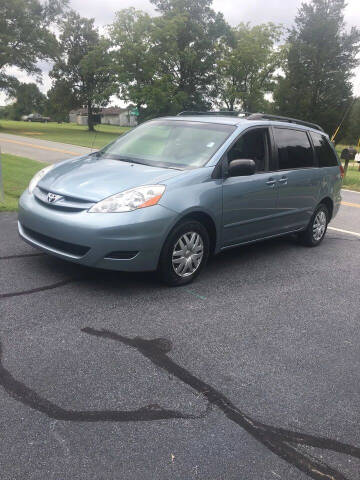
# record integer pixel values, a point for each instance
(66, 247)
(65, 203)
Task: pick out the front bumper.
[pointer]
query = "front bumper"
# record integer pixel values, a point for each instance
(141, 232)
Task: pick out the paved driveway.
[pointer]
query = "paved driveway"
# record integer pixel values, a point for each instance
(250, 373)
(37, 149)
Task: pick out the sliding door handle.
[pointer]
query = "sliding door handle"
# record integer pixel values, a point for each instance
(271, 182)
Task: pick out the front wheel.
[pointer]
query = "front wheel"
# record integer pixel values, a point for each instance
(315, 232)
(184, 253)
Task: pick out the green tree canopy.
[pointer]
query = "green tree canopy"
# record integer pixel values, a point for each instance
(133, 56)
(25, 36)
(246, 66)
(186, 36)
(60, 100)
(29, 99)
(350, 132)
(84, 67)
(320, 62)
(165, 63)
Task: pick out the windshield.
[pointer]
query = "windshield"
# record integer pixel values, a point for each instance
(170, 143)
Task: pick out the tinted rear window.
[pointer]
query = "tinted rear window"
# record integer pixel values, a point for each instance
(324, 153)
(294, 149)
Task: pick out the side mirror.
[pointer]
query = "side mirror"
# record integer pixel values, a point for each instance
(241, 167)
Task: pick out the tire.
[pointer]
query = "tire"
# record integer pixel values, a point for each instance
(316, 230)
(185, 259)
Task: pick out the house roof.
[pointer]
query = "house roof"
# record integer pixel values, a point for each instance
(112, 111)
(115, 110)
(79, 111)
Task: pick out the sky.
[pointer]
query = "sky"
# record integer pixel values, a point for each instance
(235, 11)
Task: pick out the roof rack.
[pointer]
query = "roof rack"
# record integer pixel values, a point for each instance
(225, 113)
(252, 116)
(265, 116)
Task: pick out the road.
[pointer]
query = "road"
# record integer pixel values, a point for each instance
(37, 149)
(264, 345)
(349, 219)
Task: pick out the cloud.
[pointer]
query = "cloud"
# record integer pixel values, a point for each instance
(258, 11)
(103, 11)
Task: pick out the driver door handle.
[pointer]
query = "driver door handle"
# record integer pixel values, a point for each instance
(283, 180)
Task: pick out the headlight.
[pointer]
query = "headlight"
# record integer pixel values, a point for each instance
(139, 197)
(37, 177)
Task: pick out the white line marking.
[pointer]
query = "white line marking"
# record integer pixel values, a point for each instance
(344, 231)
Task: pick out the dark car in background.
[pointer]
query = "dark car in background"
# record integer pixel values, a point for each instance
(35, 117)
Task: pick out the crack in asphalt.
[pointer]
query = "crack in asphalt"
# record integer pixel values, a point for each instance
(27, 396)
(22, 255)
(284, 443)
(39, 289)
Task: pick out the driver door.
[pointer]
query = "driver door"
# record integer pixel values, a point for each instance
(250, 202)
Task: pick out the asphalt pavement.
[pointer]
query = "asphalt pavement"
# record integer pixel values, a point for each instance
(37, 149)
(250, 373)
(349, 218)
(255, 375)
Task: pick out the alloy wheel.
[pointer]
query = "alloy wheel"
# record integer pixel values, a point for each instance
(319, 225)
(187, 254)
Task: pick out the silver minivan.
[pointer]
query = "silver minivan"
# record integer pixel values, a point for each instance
(175, 190)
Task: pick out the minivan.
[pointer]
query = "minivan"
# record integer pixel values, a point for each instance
(175, 190)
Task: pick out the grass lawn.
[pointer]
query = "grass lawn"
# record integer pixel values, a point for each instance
(352, 179)
(17, 172)
(64, 132)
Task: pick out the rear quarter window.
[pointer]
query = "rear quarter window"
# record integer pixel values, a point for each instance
(294, 149)
(324, 153)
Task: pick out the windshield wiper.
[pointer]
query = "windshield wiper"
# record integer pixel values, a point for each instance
(140, 161)
(113, 156)
(131, 160)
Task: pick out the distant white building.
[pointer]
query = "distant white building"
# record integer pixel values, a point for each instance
(79, 116)
(107, 116)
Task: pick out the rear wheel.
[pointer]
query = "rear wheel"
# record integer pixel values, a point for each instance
(184, 253)
(315, 232)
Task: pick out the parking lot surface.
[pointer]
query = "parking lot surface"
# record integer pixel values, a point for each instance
(251, 372)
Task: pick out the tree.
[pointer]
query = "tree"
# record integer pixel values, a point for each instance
(165, 64)
(185, 37)
(320, 62)
(134, 60)
(246, 66)
(25, 36)
(29, 99)
(84, 68)
(350, 134)
(60, 100)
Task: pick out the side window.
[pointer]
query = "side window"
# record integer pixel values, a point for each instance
(294, 149)
(324, 153)
(253, 145)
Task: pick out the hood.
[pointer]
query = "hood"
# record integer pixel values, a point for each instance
(92, 178)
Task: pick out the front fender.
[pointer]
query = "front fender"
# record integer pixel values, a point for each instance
(196, 192)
